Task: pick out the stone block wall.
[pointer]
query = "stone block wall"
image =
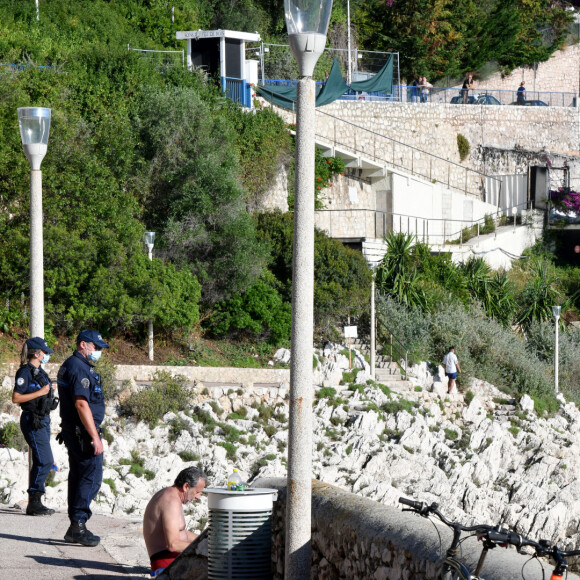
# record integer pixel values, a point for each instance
(354, 537)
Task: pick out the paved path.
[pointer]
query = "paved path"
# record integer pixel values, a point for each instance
(33, 548)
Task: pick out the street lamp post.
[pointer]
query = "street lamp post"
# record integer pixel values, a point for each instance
(556, 312)
(307, 24)
(150, 242)
(373, 320)
(34, 123)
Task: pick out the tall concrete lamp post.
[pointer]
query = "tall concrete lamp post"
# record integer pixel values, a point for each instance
(307, 24)
(556, 312)
(34, 123)
(150, 242)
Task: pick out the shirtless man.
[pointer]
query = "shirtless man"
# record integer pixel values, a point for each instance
(164, 524)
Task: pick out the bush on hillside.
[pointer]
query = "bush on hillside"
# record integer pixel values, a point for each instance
(259, 312)
(167, 393)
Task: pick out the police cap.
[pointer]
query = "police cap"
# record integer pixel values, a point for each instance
(92, 336)
(38, 343)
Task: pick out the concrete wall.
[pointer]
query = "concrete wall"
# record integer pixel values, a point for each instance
(274, 382)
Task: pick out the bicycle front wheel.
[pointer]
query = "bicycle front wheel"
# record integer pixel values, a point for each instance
(453, 570)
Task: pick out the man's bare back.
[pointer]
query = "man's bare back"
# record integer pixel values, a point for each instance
(164, 523)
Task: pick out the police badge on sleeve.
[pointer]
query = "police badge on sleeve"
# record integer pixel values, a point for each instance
(85, 383)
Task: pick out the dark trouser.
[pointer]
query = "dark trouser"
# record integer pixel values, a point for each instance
(39, 442)
(84, 479)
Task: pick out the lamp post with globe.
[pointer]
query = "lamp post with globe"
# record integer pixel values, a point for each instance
(34, 124)
(307, 24)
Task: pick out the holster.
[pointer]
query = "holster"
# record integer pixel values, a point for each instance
(84, 439)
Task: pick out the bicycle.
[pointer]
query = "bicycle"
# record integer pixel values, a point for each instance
(450, 567)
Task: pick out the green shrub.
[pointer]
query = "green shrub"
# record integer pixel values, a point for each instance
(111, 483)
(230, 448)
(166, 394)
(462, 146)
(451, 434)
(326, 393)
(137, 466)
(176, 426)
(11, 436)
(469, 396)
(188, 456)
(399, 405)
(108, 435)
(349, 376)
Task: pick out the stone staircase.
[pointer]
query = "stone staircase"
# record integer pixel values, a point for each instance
(387, 372)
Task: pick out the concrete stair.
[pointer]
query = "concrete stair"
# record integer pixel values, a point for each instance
(387, 372)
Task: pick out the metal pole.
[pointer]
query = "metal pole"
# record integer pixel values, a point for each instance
(349, 70)
(150, 325)
(373, 332)
(37, 18)
(299, 486)
(556, 358)
(36, 256)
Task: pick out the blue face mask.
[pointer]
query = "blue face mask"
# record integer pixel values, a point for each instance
(45, 358)
(95, 355)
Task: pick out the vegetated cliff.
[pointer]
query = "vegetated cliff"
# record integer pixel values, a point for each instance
(481, 457)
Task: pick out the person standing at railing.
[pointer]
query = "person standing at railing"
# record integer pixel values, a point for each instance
(425, 86)
(467, 84)
(415, 90)
(521, 94)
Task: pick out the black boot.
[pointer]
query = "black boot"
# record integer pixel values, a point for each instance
(35, 507)
(78, 534)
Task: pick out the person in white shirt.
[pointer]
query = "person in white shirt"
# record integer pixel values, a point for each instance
(451, 367)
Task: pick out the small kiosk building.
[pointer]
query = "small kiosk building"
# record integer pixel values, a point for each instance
(223, 52)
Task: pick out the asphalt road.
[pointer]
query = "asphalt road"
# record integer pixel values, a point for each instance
(33, 548)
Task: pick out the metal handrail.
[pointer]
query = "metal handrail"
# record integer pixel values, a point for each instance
(414, 224)
(412, 169)
(403, 347)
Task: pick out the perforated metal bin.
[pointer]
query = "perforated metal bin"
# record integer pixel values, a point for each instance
(240, 534)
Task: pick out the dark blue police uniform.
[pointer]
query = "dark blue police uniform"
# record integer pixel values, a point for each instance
(30, 379)
(77, 377)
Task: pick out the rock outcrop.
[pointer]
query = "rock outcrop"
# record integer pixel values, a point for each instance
(480, 456)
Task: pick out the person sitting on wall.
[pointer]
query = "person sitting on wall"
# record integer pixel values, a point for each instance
(164, 523)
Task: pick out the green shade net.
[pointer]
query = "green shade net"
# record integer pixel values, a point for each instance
(333, 88)
(382, 82)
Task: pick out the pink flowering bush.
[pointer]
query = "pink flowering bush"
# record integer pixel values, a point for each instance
(566, 200)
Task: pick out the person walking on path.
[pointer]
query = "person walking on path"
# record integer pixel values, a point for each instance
(521, 99)
(451, 368)
(82, 409)
(467, 84)
(163, 522)
(34, 393)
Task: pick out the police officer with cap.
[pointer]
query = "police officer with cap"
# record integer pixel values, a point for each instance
(82, 409)
(33, 392)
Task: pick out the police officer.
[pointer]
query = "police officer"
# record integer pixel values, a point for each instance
(33, 392)
(82, 410)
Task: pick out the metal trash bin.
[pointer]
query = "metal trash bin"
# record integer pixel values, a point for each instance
(240, 534)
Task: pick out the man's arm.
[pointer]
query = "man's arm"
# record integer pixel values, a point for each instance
(84, 411)
(177, 538)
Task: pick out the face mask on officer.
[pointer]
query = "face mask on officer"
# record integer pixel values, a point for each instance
(45, 358)
(95, 355)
